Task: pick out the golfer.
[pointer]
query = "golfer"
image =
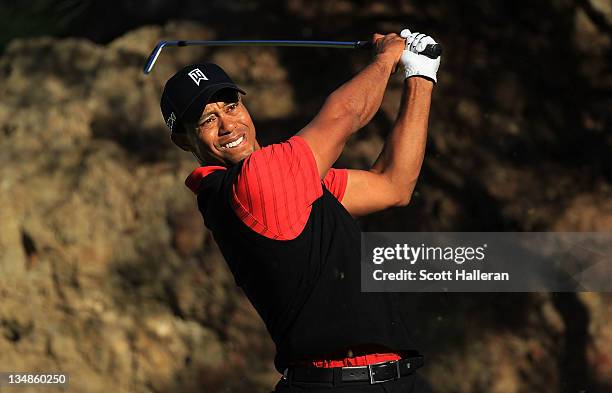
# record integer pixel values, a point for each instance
(284, 218)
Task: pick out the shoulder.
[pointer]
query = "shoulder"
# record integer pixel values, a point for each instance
(294, 150)
(276, 187)
(195, 178)
(280, 170)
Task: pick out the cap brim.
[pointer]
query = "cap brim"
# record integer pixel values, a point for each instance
(194, 110)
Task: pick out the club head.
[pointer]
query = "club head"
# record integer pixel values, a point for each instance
(153, 56)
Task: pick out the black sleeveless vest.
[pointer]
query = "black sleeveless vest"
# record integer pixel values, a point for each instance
(306, 290)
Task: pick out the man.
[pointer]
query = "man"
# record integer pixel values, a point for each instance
(283, 217)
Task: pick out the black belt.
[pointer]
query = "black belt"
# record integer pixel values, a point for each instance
(374, 373)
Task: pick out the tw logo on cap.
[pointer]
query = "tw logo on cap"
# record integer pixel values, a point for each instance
(197, 76)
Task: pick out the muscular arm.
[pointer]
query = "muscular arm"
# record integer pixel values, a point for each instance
(392, 178)
(352, 105)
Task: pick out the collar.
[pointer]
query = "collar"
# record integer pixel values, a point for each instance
(194, 180)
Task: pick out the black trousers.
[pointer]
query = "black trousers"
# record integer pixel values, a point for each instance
(409, 384)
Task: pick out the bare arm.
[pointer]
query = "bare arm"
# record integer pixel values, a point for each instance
(352, 105)
(392, 178)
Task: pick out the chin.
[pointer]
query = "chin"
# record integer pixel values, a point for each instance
(239, 156)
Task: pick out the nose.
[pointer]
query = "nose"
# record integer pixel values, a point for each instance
(227, 125)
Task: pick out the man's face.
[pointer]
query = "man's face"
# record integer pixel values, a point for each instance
(224, 134)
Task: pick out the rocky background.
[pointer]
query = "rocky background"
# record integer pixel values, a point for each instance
(106, 270)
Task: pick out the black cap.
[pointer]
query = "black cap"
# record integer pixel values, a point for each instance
(188, 91)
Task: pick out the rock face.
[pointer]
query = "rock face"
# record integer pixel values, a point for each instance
(107, 272)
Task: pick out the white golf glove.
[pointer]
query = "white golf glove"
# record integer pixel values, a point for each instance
(415, 64)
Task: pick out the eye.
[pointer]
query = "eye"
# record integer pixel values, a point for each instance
(232, 106)
(209, 120)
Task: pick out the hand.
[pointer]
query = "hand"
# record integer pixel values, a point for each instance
(389, 46)
(415, 64)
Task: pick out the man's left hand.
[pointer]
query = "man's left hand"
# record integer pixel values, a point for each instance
(414, 63)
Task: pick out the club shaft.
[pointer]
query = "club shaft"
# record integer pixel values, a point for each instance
(316, 44)
(432, 50)
(313, 44)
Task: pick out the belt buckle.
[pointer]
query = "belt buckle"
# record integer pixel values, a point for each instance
(374, 381)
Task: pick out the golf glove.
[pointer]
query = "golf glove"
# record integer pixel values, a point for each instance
(415, 64)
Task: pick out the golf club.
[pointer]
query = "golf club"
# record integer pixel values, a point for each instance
(431, 51)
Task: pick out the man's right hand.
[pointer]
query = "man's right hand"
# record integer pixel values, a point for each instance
(390, 46)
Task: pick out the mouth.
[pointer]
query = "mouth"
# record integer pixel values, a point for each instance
(234, 143)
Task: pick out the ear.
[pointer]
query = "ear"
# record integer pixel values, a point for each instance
(180, 139)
